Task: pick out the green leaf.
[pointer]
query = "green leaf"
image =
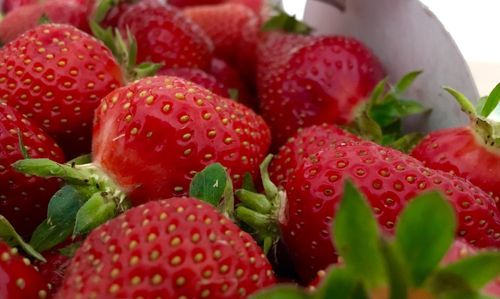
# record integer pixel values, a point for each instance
(462, 100)
(491, 102)
(61, 215)
(476, 270)
(339, 283)
(255, 201)
(269, 187)
(281, 292)
(146, 69)
(47, 168)
(209, 184)
(356, 237)
(80, 160)
(284, 22)
(97, 210)
(248, 183)
(233, 93)
(44, 19)
(102, 10)
(406, 143)
(425, 231)
(396, 271)
(22, 148)
(480, 104)
(71, 249)
(9, 235)
(379, 91)
(405, 82)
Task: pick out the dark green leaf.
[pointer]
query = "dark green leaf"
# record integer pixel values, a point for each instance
(22, 148)
(492, 101)
(47, 236)
(44, 19)
(339, 283)
(281, 292)
(425, 231)
(9, 235)
(396, 271)
(286, 23)
(61, 215)
(378, 92)
(356, 237)
(209, 184)
(234, 93)
(476, 270)
(97, 210)
(64, 205)
(248, 183)
(405, 82)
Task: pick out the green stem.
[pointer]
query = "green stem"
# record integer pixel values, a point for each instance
(48, 168)
(269, 187)
(255, 201)
(257, 221)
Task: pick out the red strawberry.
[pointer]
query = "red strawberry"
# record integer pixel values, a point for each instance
(471, 152)
(388, 178)
(176, 248)
(304, 144)
(27, 17)
(9, 5)
(152, 136)
(185, 3)
(311, 80)
(23, 199)
(18, 279)
(113, 15)
(230, 77)
(165, 35)
(232, 27)
(54, 268)
(199, 77)
(56, 75)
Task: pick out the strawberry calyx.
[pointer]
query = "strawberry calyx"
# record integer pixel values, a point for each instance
(483, 121)
(262, 212)
(284, 22)
(404, 267)
(380, 119)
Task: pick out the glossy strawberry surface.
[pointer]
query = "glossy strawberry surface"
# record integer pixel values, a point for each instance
(27, 17)
(230, 77)
(388, 179)
(462, 152)
(152, 136)
(314, 80)
(175, 248)
(23, 198)
(53, 269)
(56, 75)
(9, 5)
(304, 144)
(165, 35)
(18, 278)
(199, 77)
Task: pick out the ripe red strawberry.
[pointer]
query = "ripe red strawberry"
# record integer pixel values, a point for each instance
(165, 35)
(56, 75)
(185, 3)
(304, 144)
(389, 179)
(111, 17)
(23, 198)
(54, 269)
(311, 80)
(231, 78)
(152, 136)
(176, 248)
(233, 29)
(471, 152)
(9, 5)
(18, 279)
(199, 77)
(27, 17)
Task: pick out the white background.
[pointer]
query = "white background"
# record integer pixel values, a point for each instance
(475, 26)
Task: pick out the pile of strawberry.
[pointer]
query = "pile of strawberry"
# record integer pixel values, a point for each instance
(135, 142)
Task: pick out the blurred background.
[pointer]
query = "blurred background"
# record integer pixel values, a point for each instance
(473, 25)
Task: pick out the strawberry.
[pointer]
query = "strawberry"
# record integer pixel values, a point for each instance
(471, 152)
(54, 268)
(108, 13)
(230, 77)
(27, 17)
(168, 247)
(304, 144)
(388, 178)
(18, 279)
(185, 3)
(233, 29)
(9, 5)
(304, 80)
(152, 136)
(156, 26)
(23, 199)
(56, 75)
(199, 77)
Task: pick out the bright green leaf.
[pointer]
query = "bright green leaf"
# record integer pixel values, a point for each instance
(96, 211)
(424, 233)
(9, 235)
(476, 270)
(462, 100)
(491, 102)
(357, 238)
(83, 159)
(209, 184)
(281, 292)
(405, 82)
